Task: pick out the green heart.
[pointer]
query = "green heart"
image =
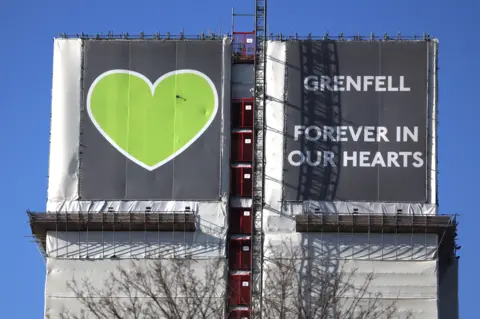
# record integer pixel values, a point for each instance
(152, 123)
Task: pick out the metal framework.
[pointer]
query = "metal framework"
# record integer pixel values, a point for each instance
(259, 158)
(143, 36)
(270, 36)
(41, 223)
(375, 223)
(445, 226)
(342, 37)
(250, 47)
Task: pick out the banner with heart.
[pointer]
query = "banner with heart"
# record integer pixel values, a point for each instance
(152, 123)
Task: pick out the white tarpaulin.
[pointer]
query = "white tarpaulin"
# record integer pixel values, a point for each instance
(65, 122)
(61, 272)
(355, 246)
(403, 275)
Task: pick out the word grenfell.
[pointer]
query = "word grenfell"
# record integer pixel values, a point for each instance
(379, 83)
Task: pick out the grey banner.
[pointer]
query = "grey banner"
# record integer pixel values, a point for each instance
(356, 121)
(121, 146)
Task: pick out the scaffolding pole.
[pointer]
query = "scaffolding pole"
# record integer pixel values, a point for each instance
(259, 160)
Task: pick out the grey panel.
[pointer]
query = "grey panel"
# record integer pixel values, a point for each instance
(353, 108)
(192, 175)
(448, 290)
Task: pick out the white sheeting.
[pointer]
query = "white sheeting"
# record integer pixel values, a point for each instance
(420, 308)
(404, 265)
(119, 206)
(98, 245)
(404, 280)
(65, 120)
(403, 247)
(210, 212)
(274, 121)
(363, 208)
(432, 127)
(54, 306)
(226, 114)
(392, 280)
(59, 272)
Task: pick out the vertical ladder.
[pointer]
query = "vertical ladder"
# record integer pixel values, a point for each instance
(259, 160)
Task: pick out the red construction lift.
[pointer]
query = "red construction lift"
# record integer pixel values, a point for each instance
(245, 229)
(241, 186)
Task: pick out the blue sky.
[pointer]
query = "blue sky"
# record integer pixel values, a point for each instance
(25, 85)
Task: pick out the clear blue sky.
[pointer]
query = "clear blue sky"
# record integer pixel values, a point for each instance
(25, 84)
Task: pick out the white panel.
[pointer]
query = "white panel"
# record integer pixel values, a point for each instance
(274, 121)
(225, 114)
(242, 81)
(212, 219)
(404, 266)
(432, 174)
(404, 247)
(420, 309)
(65, 120)
(54, 306)
(59, 272)
(276, 223)
(392, 281)
(162, 244)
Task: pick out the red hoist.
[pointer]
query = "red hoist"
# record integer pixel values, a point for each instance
(247, 163)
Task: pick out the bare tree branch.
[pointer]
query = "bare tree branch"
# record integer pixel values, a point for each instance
(299, 287)
(170, 289)
(295, 286)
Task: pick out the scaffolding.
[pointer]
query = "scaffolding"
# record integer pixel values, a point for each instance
(444, 226)
(251, 48)
(259, 158)
(143, 36)
(42, 223)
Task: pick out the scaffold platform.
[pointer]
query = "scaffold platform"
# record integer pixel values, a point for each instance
(41, 223)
